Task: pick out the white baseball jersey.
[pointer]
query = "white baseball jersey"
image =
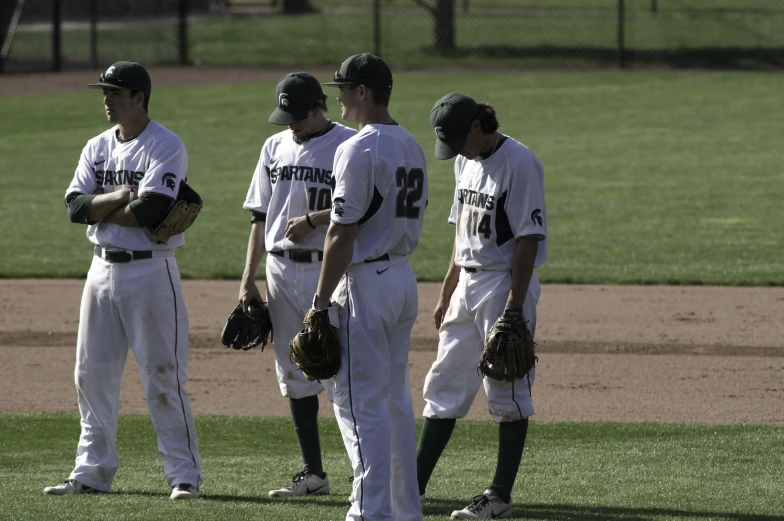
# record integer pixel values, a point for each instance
(497, 200)
(381, 185)
(153, 162)
(292, 180)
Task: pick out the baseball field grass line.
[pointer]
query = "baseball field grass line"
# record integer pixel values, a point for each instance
(570, 471)
(651, 178)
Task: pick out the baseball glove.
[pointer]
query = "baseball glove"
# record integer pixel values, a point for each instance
(509, 351)
(180, 217)
(245, 329)
(316, 349)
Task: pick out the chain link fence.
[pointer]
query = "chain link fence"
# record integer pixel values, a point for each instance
(54, 34)
(407, 33)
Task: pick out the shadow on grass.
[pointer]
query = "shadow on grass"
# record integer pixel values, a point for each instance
(739, 58)
(312, 500)
(588, 513)
(444, 507)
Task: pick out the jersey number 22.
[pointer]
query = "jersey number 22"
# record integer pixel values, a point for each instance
(411, 185)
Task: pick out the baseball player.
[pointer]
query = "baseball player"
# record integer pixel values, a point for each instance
(290, 197)
(377, 210)
(501, 235)
(128, 179)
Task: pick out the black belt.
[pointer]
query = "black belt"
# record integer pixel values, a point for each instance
(298, 255)
(121, 256)
(384, 257)
(471, 270)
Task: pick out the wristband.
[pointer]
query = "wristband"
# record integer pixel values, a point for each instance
(513, 311)
(310, 223)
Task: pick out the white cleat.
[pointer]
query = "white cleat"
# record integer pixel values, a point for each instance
(184, 491)
(485, 506)
(71, 486)
(303, 485)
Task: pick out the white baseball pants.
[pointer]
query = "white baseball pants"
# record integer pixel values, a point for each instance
(140, 304)
(378, 305)
(290, 290)
(453, 381)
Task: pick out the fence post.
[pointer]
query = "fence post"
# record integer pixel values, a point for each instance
(654, 6)
(377, 27)
(621, 28)
(94, 34)
(182, 31)
(57, 37)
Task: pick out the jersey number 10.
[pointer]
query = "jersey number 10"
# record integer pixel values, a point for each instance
(411, 185)
(319, 199)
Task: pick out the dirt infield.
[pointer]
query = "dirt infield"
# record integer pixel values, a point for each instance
(659, 354)
(50, 82)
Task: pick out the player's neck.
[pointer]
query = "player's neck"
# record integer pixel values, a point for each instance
(374, 114)
(489, 143)
(131, 129)
(321, 124)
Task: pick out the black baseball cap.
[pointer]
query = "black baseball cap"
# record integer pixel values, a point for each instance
(364, 69)
(451, 120)
(125, 75)
(295, 96)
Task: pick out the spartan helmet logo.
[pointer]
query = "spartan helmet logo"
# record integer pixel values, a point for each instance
(168, 181)
(283, 99)
(440, 133)
(110, 71)
(536, 216)
(337, 206)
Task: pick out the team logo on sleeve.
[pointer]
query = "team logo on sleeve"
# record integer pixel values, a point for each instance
(536, 216)
(337, 206)
(168, 181)
(283, 99)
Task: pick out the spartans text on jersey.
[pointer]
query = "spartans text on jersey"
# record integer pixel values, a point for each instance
(474, 198)
(118, 177)
(299, 173)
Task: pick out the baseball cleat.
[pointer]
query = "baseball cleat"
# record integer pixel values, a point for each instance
(184, 491)
(485, 506)
(303, 485)
(71, 486)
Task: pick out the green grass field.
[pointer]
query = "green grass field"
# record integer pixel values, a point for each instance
(651, 178)
(589, 471)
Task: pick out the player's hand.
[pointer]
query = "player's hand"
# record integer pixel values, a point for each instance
(297, 229)
(438, 314)
(248, 293)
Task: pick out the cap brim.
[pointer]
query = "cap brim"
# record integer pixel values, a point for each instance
(104, 85)
(281, 117)
(449, 149)
(337, 83)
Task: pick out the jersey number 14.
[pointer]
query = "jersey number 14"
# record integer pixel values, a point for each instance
(477, 224)
(411, 184)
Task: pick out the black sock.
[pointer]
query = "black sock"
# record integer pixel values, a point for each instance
(304, 413)
(511, 441)
(435, 435)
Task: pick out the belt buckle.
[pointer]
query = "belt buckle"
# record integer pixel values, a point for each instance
(117, 256)
(301, 255)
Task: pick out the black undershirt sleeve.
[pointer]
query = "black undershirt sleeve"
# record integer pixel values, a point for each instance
(78, 206)
(150, 209)
(258, 217)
